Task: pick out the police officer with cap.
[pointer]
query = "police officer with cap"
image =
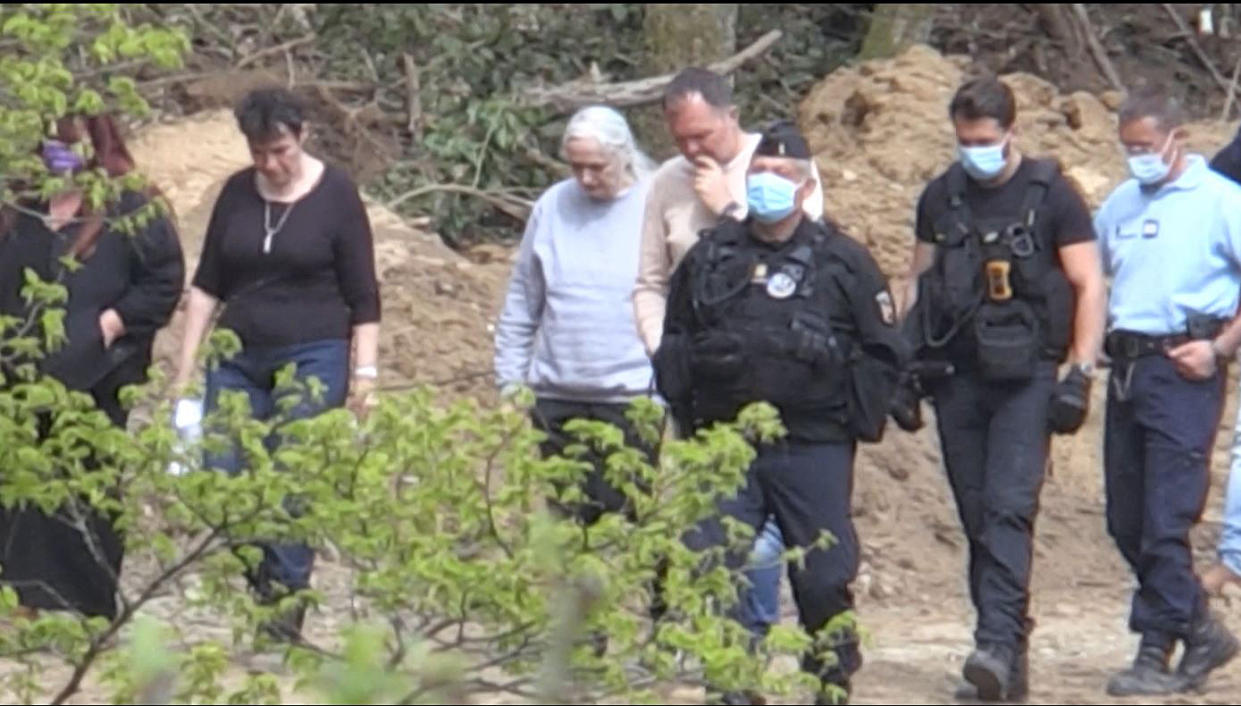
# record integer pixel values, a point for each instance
(787, 310)
(1171, 240)
(1005, 284)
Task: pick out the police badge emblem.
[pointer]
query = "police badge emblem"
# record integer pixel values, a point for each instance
(887, 310)
(781, 286)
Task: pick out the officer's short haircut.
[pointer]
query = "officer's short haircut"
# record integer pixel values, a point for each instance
(713, 88)
(1152, 103)
(986, 97)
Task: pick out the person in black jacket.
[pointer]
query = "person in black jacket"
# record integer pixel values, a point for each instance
(126, 289)
(1228, 161)
(790, 311)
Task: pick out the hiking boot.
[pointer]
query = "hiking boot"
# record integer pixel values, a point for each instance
(1149, 675)
(1209, 646)
(1018, 685)
(990, 670)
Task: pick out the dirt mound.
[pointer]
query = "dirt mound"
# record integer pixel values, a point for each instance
(880, 133)
(437, 306)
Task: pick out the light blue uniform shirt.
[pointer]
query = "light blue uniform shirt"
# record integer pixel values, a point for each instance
(1172, 251)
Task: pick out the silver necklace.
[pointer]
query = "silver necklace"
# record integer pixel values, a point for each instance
(267, 226)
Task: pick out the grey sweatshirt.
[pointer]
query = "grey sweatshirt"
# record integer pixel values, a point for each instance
(567, 328)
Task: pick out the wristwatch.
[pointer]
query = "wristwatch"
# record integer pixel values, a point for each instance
(1086, 369)
(369, 372)
(732, 210)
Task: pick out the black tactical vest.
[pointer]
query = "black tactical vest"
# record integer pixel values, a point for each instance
(995, 281)
(765, 315)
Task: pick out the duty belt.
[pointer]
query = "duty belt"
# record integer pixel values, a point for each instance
(1127, 345)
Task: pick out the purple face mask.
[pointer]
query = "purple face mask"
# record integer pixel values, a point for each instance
(60, 158)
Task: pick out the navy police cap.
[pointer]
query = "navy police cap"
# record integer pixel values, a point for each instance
(783, 139)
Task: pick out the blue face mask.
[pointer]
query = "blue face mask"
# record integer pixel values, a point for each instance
(1150, 168)
(770, 196)
(985, 162)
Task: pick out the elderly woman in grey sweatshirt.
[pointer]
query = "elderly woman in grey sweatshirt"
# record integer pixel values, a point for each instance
(567, 328)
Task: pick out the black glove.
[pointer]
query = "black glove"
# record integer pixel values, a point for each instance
(1070, 402)
(907, 403)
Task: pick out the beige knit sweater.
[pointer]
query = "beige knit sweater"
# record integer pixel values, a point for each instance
(673, 219)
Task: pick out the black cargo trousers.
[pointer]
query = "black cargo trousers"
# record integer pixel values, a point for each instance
(995, 440)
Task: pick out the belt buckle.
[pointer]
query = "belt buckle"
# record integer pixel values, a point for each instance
(1131, 346)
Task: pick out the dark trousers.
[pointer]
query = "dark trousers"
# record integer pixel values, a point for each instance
(1160, 430)
(808, 488)
(995, 439)
(50, 562)
(550, 417)
(253, 372)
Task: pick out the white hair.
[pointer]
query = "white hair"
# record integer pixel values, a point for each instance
(608, 127)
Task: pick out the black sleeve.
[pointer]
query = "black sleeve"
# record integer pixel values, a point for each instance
(924, 221)
(210, 277)
(1228, 161)
(874, 310)
(355, 258)
(157, 269)
(678, 314)
(1070, 216)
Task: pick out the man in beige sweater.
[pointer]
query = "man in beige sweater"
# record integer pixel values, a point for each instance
(693, 191)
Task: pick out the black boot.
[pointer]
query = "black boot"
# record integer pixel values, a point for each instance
(990, 670)
(1209, 646)
(1018, 681)
(1149, 675)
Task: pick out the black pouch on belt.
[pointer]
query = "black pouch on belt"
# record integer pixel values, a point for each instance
(1008, 340)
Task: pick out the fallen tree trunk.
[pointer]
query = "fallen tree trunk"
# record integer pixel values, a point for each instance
(570, 96)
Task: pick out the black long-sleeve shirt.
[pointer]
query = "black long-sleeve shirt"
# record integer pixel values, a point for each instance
(1228, 161)
(139, 274)
(317, 281)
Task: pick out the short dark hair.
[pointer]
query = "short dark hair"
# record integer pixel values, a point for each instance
(713, 88)
(1152, 103)
(262, 113)
(986, 97)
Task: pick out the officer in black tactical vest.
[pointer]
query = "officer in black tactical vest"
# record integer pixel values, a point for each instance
(783, 309)
(1005, 284)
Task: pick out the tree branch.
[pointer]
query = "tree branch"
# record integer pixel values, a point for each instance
(1197, 48)
(514, 206)
(575, 94)
(98, 642)
(1096, 48)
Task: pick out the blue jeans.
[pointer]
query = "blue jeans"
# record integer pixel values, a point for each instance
(761, 602)
(253, 372)
(1230, 536)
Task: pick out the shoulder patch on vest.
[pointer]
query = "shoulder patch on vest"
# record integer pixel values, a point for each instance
(887, 310)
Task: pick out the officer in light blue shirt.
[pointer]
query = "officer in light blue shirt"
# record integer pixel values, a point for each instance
(1171, 242)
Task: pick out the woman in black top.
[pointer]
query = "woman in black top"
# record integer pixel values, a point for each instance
(289, 254)
(126, 289)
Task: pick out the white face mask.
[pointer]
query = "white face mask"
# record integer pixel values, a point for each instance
(984, 162)
(1150, 168)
